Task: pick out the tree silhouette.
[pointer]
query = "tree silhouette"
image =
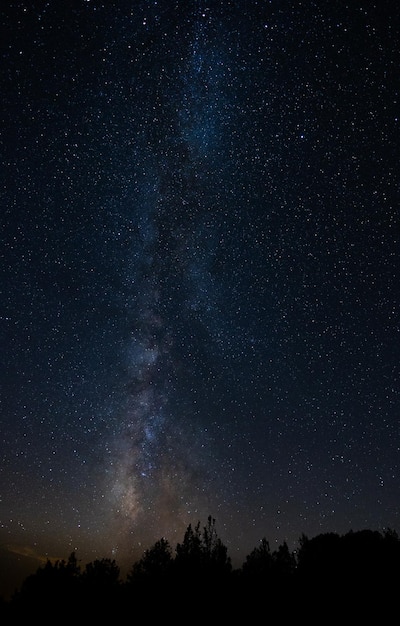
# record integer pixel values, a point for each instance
(284, 563)
(202, 570)
(266, 573)
(215, 553)
(320, 556)
(259, 562)
(343, 573)
(51, 586)
(155, 564)
(101, 573)
(189, 553)
(265, 566)
(150, 578)
(202, 553)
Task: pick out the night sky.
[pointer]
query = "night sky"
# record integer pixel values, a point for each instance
(200, 267)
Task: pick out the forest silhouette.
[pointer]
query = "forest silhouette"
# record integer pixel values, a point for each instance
(328, 578)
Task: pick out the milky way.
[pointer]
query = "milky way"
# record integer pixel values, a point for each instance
(159, 463)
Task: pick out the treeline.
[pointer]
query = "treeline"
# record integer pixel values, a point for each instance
(357, 571)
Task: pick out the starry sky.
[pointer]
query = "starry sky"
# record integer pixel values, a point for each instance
(199, 274)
